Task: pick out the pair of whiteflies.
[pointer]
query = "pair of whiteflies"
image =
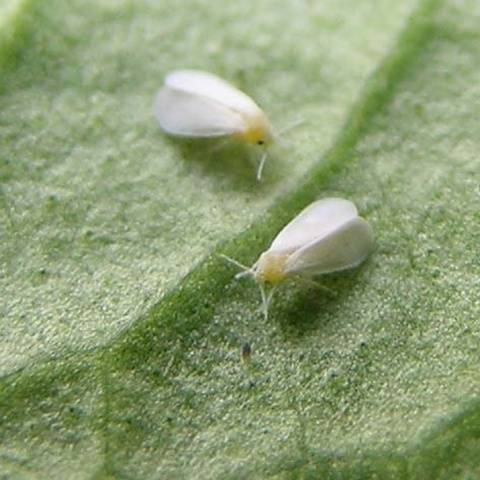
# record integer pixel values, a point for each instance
(327, 236)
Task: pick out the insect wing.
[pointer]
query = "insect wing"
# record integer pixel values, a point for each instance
(314, 222)
(345, 247)
(210, 86)
(186, 114)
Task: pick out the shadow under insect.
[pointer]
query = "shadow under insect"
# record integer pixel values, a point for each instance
(300, 307)
(225, 159)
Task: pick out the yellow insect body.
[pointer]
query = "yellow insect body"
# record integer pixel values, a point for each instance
(258, 130)
(270, 267)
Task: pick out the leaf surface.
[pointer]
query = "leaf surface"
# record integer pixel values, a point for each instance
(121, 329)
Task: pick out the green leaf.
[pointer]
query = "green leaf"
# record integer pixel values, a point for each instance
(121, 328)
(102, 214)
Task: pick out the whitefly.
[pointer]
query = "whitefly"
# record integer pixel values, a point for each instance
(327, 236)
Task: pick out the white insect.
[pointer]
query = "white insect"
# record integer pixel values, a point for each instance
(327, 236)
(198, 104)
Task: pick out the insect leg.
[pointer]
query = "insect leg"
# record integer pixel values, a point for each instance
(264, 300)
(316, 284)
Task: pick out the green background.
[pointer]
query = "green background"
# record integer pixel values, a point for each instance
(121, 329)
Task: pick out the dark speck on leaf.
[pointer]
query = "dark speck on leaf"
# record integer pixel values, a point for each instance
(246, 352)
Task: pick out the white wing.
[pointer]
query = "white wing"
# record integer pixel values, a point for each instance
(343, 248)
(315, 222)
(210, 86)
(187, 114)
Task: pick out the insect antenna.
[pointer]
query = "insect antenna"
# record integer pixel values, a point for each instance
(245, 270)
(279, 134)
(261, 165)
(291, 126)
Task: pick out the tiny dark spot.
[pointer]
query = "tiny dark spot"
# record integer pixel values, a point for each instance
(42, 271)
(251, 384)
(75, 410)
(260, 142)
(246, 352)
(419, 109)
